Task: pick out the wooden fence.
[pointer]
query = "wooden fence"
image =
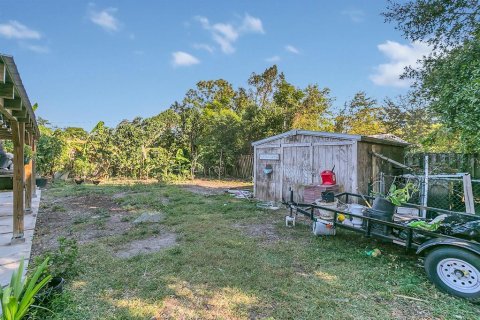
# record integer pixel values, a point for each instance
(437, 162)
(446, 163)
(244, 168)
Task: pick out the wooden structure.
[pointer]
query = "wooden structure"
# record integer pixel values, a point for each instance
(295, 159)
(18, 124)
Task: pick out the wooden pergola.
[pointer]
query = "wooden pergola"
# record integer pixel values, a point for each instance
(18, 124)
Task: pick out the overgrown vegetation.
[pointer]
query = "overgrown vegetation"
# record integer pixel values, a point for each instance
(63, 260)
(232, 260)
(448, 81)
(214, 124)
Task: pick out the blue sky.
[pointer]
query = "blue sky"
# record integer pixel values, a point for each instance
(113, 60)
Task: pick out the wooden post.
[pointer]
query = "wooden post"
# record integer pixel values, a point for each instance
(28, 186)
(468, 194)
(425, 188)
(18, 134)
(34, 169)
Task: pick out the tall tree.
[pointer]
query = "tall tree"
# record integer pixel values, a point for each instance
(361, 115)
(449, 79)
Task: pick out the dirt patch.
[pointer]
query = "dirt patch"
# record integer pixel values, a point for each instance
(213, 187)
(146, 246)
(266, 231)
(121, 195)
(84, 218)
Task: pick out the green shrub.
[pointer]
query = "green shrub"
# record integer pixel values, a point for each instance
(17, 298)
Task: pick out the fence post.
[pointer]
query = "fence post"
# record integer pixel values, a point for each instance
(468, 194)
(425, 188)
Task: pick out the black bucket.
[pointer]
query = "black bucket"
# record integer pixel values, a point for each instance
(41, 182)
(328, 196)
(54, 287)
(382, 204)
(377, 227)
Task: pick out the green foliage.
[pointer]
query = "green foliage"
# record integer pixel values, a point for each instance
(27, 152)
(207, 131)
(451, 84)
(448, 81)
(362, 115)
(19, 295)
(81, 168)
(48, 153)
(399, 196)
(441, 23)
(63, 261)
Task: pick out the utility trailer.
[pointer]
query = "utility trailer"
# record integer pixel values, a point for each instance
(451, 263)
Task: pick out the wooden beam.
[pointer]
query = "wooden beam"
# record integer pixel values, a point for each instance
(7, 90)
(18, 132)
(28, 178)
(19, 113)
(3, 72)
(24, 120)
(5, 136)
(34, 169)
(13, 104)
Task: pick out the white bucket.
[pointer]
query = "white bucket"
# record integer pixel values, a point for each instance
(326, 214)
(323, 228)
(358, 210)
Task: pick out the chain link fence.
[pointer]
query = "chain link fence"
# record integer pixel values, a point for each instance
(447, 192)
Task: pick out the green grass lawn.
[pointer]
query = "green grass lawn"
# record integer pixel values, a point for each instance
(234, 261)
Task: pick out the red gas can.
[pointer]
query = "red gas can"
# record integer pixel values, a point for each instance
(328, 177)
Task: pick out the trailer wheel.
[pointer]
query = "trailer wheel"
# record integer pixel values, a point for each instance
(455, 271)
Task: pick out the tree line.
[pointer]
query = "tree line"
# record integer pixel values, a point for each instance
(206, 132)
(215, 123)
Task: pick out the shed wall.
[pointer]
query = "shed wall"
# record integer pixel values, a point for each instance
(371, 166)
(301, 159)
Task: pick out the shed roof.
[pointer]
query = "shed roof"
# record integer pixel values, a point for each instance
(15, 104)
(342, 136)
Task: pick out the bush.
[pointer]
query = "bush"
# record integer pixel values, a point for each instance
(63, 261)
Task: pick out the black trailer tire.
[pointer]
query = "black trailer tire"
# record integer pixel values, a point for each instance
(455, 271)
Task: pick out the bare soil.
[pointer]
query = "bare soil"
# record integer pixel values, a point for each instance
(145, 246)
(84, 218)
(213, 187)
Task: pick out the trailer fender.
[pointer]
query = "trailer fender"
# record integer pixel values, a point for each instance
(459, 243)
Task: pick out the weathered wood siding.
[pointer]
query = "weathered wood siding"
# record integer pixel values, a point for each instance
(301, 159)
(371, 166)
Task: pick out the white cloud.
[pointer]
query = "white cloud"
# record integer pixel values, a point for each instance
(292, 49)
(400, 56)
(15, 30)
(183, 59)
(226, 34)
(273, 59)
(203, 46)
(37, 49)
(356, 15)
(252, 24)
(105, 18)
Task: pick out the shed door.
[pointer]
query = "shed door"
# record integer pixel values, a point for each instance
(302, 164)
(297, 168)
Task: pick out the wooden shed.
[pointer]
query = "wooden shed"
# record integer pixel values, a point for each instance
(295, 159)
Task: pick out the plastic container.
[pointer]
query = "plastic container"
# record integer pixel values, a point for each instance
(328, 177)
(328, 196)
(382, 204)
(377, 227)
(358, 210)
(323, 228)
(326, 214)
